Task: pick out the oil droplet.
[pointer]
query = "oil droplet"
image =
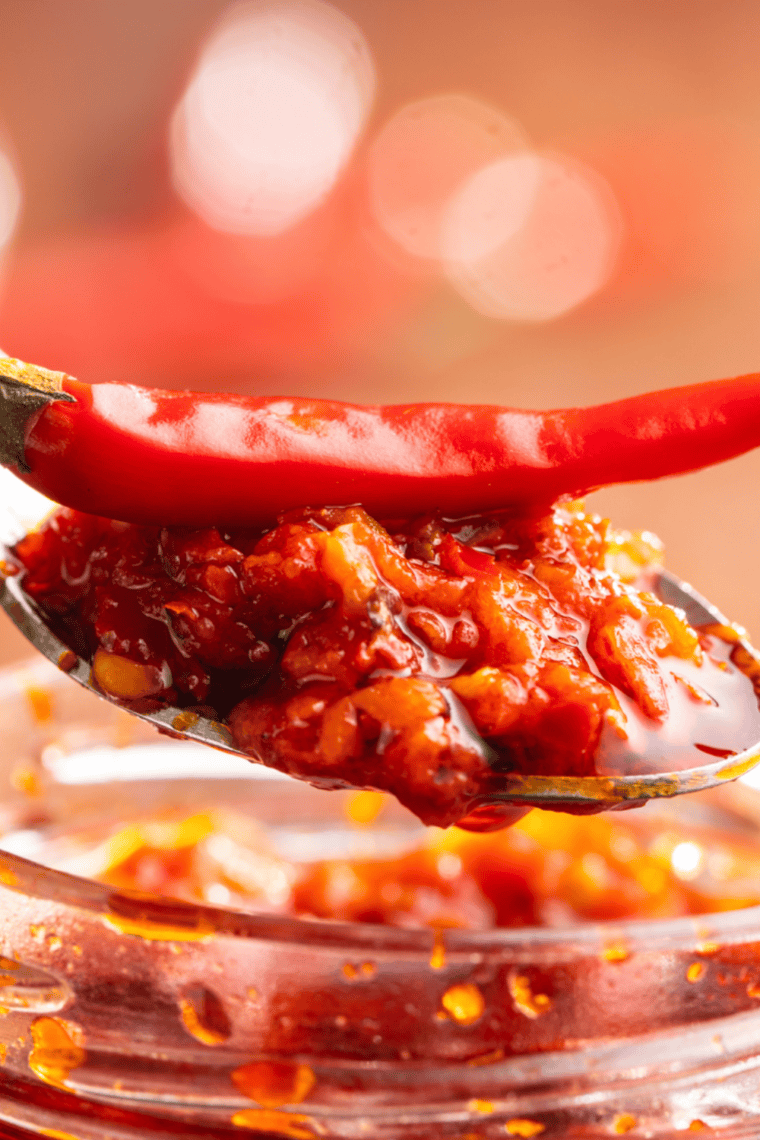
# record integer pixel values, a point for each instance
(616, 952)
(735, 770)
(272, 1084)
(156, 920)
(7, 877)
(364, 807)
(464, 1003)
(54, 942)
(37, 932)
(526, 1002)
(707, 948)
(3, 1050)
(26, 781)
(624, 1123)
(54, 1053)
(753, 989)
(484, 1107)
(56, 1134)
(491, 1058)
(519, 1127)
(252, 994)
(41, 704)
(363, 969)
(204, 1016)
(155, 932)
(697, 1126)
(695, 971)
(293, 1125)
(438, 956)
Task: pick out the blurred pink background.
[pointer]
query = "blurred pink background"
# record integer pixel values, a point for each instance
(530, 203)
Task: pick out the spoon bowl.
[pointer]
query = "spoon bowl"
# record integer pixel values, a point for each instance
(577, 794)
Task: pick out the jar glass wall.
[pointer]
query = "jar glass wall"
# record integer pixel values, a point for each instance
(125, 1015)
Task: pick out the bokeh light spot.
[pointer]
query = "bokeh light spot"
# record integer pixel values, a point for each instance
(530, 236)
(271, 115)
(423, 154)
(687, 859)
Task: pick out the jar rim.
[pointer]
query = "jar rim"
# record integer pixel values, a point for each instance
(32, 879)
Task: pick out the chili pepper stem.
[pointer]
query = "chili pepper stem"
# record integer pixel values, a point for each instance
(25, 390)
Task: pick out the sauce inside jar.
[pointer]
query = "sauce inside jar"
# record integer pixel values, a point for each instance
(549, 869)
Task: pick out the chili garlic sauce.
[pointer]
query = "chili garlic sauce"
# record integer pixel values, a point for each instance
(549, 869)
(426, 658)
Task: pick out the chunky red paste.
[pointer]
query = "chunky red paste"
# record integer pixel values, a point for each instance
(426, 658)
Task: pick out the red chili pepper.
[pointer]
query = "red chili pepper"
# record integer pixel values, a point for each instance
(149, 456)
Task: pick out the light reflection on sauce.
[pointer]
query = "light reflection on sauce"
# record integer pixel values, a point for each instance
(697, 731)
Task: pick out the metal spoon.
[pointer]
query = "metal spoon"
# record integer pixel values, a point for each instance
(574, 793)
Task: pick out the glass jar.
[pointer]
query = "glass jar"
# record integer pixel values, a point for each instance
(125, 1016)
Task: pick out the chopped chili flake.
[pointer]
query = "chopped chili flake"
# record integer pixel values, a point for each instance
(528, 1003)
(272, 1084)
(525, 1128)
(484, 1107)
(57, 1050)
(438, 955)
(204, 1016)
(294, 1125)
(624, 1123)
(464, 1003)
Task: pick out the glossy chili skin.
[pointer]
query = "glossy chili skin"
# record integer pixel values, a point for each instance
(182, 458)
